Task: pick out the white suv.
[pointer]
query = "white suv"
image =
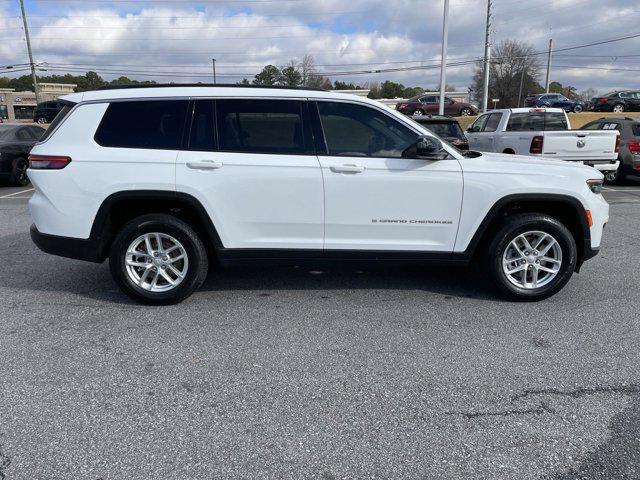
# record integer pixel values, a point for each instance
(165, 180)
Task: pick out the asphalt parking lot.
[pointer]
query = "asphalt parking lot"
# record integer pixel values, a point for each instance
(300, 373)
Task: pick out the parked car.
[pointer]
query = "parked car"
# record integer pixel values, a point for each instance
(554, 100)
(45, 112)
(16, 141)
(430, 104)
(619, 101)
(543, 132)
(446, 128)
(629, 154)
(165, 180)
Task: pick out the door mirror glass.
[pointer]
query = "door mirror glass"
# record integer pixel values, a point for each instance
(426, 148)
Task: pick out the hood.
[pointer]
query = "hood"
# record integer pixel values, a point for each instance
(507, 163)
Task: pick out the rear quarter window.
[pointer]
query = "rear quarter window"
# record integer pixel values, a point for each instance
(61, 115)
(154, 124)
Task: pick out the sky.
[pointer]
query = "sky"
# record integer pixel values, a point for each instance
(175, 40)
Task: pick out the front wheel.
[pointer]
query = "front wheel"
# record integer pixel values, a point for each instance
(577, 109)
(531, 257)
(41, 120)
(466, 112)
(158, 259)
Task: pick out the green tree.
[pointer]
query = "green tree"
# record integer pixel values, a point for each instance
(390, 89)
(269, 75)
(290, 76)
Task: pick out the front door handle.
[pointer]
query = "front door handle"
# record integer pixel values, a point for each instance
(347, 168)
(205, 165)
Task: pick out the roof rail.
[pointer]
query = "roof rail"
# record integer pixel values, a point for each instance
(225, 85)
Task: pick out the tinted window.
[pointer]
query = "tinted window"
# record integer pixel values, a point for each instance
(536, 121)
(203, 134)
(591, 126)
(24, 134)
(430, 99)
(357, 130)
(61, 115)
(142, 124)
(492, 122)
(261, 126)
(36, 131)
(449, 129)
(636, 129)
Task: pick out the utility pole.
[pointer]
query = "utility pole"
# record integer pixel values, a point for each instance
(443, 65)
(214, 71)
(33, 68)
(521, 82)
(487, 54)
(549, 65)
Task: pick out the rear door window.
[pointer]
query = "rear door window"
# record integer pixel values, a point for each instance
(156, 124)
(262, 126)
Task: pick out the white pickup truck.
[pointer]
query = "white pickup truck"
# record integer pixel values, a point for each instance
(543, 132)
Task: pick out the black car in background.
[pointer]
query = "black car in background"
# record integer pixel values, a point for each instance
(16, 141)
(45, 112)
(619, 101)
(629, 154)
(446, 128)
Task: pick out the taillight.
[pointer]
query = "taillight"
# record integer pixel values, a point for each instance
(536, 144)
(48, 162)
(602, 99)
(634, 147)
(617, 144)
(403, 105)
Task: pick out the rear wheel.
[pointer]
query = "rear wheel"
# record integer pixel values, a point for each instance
(577, 108)
(158, 259)
(466, 112)
(618, 108)
(18, 176)
(41, 120)
(531, 257)
(418, 112)
(615, 177)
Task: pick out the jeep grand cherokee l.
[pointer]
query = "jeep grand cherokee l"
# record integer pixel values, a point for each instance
(164, 181)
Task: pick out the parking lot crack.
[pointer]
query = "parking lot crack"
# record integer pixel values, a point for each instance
(5, 461)
(543, 408)
(580, 392)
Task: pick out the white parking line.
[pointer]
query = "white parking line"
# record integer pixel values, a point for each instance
(17, 193)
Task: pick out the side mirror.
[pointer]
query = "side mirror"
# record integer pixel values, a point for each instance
(426, 148)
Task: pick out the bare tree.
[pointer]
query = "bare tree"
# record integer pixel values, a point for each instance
(513, 64)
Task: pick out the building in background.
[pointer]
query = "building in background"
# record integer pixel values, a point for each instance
(19, 106)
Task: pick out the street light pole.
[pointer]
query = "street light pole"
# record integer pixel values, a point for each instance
(33, 68)
(549, 66)
(443, 66)
(214, 71)
(487, 54)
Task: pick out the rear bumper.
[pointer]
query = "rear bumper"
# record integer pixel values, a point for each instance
(604, 166)
(77, 248)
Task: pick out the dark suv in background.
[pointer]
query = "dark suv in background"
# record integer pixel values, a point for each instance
(424, 104)
(629, 152)
(45, 112)
(620, 101)
(554, 100)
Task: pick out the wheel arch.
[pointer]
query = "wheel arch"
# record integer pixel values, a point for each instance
(120, 207)
(568, 210)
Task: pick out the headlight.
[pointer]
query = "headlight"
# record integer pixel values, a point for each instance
(595, 185)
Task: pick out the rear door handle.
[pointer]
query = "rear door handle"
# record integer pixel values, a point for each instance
(347, 168)
(205, 165)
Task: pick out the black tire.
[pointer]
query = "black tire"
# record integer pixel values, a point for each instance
(18, 176)
(165, 224)
(418, 111)
(42, 120)
(619, 106)
(466, 112)
(577, 109)
(511, 228)
(615, 178)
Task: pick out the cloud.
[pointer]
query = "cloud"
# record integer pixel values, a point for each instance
(177, 40)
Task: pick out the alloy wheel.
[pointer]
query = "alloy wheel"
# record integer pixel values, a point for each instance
(532, 260)
(618, 108)
(21, 172)
(156, 262)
